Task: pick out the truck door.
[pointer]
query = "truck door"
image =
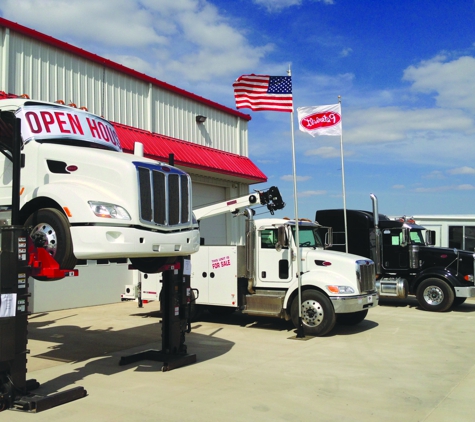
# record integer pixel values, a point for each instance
(272, 265)
(394, 256)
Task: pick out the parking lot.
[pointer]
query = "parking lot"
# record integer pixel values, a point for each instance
(400, 364)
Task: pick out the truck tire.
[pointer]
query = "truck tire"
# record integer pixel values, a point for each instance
(318, 314)
(435, 295)
(49, 229)
(151, 265)
(351, 318)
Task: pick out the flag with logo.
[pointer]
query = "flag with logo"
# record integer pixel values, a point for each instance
(262, 92)
(320, 120)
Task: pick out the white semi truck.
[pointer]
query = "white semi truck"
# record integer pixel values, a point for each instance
(81, 197)
(261, 277)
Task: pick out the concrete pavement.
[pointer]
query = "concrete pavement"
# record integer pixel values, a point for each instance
(400, 364)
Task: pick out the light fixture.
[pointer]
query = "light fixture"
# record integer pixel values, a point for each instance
(200, 119)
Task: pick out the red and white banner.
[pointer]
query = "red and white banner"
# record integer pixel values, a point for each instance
(320, 120)
(60, 123)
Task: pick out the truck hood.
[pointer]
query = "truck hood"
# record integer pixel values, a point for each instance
(319, 257)
(436, 256)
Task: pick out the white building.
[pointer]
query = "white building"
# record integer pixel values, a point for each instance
(453, 231)
(161, 116)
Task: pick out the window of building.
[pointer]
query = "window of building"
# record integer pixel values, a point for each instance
(462, 237)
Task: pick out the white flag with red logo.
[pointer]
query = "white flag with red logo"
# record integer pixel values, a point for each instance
(320, 120)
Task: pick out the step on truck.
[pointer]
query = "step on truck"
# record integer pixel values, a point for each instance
(406, 261)
(260, 277)
(82, 197)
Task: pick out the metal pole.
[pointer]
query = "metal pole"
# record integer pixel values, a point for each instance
(300, 332)
(343, 178)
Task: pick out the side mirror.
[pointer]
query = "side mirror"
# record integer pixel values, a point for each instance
(281, 238)
(430, 237)
(405, 237)
(329, 237)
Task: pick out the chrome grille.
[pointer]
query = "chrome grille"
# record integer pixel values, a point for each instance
(164, 196)
(365, 273)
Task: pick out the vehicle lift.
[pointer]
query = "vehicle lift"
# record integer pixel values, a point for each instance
(175, 304)
(20, 258)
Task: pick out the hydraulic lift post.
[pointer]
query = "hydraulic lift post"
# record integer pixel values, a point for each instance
(18, 260)
(175, 300)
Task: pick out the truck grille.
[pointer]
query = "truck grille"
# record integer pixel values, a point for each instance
(365, 273)
(164, 196)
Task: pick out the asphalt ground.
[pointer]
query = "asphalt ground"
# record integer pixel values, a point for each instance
(400, 364)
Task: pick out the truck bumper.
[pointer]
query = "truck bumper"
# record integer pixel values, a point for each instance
(100, 242)
(465, 291)
(358, 303)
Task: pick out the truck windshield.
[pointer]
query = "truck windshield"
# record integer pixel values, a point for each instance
(308, 237)
(416, 237)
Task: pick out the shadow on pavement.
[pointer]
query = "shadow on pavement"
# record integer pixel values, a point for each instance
(101, 349)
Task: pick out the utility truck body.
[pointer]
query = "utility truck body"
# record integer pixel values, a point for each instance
(261, 277)
(406, 260)
(81, 197)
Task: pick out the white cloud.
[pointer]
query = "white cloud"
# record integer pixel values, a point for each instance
(309, 193)
(324, 152)
(108, 22)
(452, 82)
(399, 187)
(390, 124)
(346, 52)
(278, 5)
(290, 178)
(444, 188)
(462, 170)
(436, 174)
(174, 40)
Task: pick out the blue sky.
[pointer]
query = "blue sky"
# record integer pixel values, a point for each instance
(405, 71)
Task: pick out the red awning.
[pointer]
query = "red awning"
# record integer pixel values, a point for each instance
(187, 154)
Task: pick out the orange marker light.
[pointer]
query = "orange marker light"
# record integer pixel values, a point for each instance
(68, 213)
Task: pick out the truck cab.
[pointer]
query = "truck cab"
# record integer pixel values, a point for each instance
(81, 197)
(406, 260)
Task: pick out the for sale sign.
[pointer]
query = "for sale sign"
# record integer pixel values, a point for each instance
(61, 123)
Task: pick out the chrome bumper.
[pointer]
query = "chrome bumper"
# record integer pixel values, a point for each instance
(346, 304)
(465, 291)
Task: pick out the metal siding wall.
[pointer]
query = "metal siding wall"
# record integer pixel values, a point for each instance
(49, 74)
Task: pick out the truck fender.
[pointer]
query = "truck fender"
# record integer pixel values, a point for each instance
(312, 280)
(440, 273)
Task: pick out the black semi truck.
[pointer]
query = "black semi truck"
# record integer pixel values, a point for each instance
(406, 260)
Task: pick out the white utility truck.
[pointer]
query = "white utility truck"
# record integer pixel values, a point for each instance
(260, 277)
(81, 197)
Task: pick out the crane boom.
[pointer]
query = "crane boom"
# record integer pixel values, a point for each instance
(270, 197)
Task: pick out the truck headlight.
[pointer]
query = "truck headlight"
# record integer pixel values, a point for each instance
(341, 289)
(105, 210)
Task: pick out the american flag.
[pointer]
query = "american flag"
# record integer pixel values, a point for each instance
(262, 92)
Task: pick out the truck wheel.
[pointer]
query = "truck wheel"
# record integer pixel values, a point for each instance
(318, 315)
(435, 295)
(49, 229)
(351, 318)
(151, 265)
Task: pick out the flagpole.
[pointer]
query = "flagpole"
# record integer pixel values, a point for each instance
(343, 179)
(300, 332)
